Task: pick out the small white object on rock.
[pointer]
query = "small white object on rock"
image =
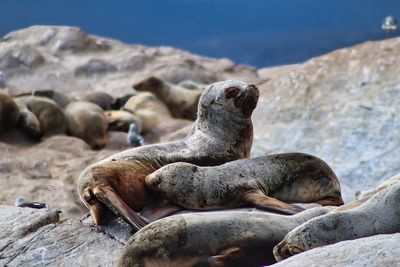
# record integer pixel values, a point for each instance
(133, 138)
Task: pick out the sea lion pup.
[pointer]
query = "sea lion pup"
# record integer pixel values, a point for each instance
(87, 122)
(119, 120)
(265, 182)
(380, 214)
(222, 132)
(180, 101)
(223, 238)
(61, 99)
(40, 116)
(103, 100)
(9, 112)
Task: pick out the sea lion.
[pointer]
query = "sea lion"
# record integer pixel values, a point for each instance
(61, 99)
(119, 120)
(223, 238)
(265, 182)
(87, 122)
(9, 112)
(149, 109)
(181, 102)
(103, 100)
(379, 214)
(367, 194)
(222, 132)
(40, 116)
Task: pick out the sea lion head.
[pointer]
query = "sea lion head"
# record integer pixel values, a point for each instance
(164, 179)
(29, 124)
(234, 97)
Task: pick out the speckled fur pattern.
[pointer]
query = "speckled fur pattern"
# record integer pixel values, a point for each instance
(222, 132)
(233, 238)
(288, 177)
(379, 214)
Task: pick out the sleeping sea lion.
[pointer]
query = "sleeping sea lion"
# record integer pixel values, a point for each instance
(265, 182)
(223, 238)
(380, 214)
(102, 99)
(87, 122)
(222, 132)
(9, 112)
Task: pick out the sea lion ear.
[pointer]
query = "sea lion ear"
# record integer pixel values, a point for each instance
(231, 91)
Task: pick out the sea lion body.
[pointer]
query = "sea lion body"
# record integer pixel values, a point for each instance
(9, 112)
(40, 116)
(380, 214)
(87, 122)
(103, 100)
(222, 132)
(223, 238)
(119, 120)
(181, 102)
(265, 182)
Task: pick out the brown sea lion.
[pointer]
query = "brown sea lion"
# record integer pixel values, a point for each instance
(87, 122)
(61, 99)
(9, 112)
(40, 116)
(181, 102)
(119, 120)
(222, 132)
(149, 109)
(265, 182)
(380, 214)
(223, 238)
(103, 100)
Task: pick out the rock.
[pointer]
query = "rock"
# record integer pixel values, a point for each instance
(95, 66)
(31, 237)
(24, 57)
(379, 250)
(340, 107)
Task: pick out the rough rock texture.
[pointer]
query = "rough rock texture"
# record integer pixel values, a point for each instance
(30, 237)
(379, 251)
(341, 107)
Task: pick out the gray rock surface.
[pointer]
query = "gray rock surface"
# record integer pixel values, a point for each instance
(30, 237)
(379, 251)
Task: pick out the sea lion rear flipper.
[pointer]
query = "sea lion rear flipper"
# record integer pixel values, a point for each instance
(107, 196)
(159, 210)
(228, 257)
(260, 200)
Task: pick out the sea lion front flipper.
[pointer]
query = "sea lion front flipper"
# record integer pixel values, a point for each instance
(260, 200)
(228, 257)
(159, 210)
(107, 196)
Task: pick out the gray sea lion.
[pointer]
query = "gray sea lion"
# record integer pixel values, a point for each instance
(9, 112)
(181, 102)
(87, 122)
(119, 120)
(265, 182)
(103, 100)
(222, 132)
(379, 214)
(40, 116)
(223, 238)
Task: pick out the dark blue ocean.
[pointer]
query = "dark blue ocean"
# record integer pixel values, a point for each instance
(256, 32)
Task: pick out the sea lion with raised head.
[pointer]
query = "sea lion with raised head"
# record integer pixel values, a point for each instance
(181, 102)
(222, 238)
(87, 122)
(40, 116)
(268, 182)
(380, 214)
(9, 112)
(222, 132)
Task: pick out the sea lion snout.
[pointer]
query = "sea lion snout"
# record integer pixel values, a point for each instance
(285, 250)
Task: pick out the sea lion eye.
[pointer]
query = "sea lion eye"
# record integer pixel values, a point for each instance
(231, 92)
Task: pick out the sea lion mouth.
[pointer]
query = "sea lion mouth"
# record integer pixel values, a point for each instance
(247, 100)
(285, 250)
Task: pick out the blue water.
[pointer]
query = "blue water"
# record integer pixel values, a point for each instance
(256, 32)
